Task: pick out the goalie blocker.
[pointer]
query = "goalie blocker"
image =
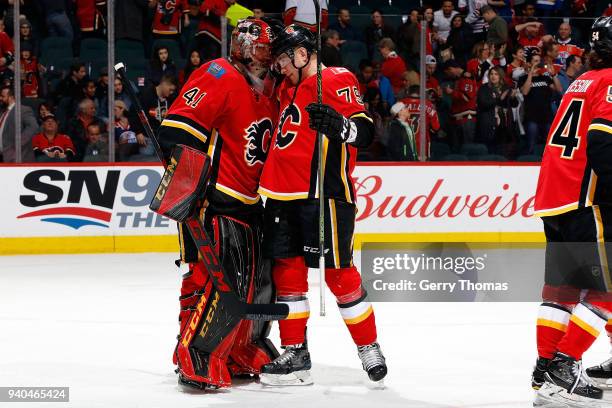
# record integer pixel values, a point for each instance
(214, 341)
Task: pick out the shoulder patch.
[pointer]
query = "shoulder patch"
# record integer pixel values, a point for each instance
(216, 70)
(609, 95)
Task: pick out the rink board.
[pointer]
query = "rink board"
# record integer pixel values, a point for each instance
(88, 208)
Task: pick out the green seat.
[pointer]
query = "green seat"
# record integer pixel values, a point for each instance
(124, 49)
(492, 158)
(529, 158)
(538, 150)
(455, 157)
(473, 150)
(361, 17)
(406, 5)
(392, 16)
(173, 48)
(352, 53)
(55, 48)
(93, 48)
(439, 150)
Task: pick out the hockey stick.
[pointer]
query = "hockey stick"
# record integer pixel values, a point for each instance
(200, 237)
(321, 170)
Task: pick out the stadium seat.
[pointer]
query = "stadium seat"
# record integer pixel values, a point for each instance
(124, 49)
(529, 158)
(374, 4)
(492, 157)
(345, 3)
(393, 16)
(93, 48)
(95, 65)
(352, 53)
(406, 5)
(455, 157)
(360, 17)
(474, 149)
(439, 150)
(54, 49)
(173, 48)
(538, 150)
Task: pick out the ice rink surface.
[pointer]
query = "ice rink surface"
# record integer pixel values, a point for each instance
(105, 326)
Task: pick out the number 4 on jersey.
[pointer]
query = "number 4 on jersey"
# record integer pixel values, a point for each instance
(565, 135)
(192, 98)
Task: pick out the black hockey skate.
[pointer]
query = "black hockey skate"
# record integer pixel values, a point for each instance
(566, 385)
(373, 361)
(602, 374)
(537, 378)
(290, 368)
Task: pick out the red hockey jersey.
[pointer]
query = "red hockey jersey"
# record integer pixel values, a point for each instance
(413, 104)
(211, 12)
(566, 180)
(29, 77)
(61, 143)
(290, 172)
(90, 14)
(218, 107)
(167, 18)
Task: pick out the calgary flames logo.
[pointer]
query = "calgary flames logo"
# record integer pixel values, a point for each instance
(258, 136)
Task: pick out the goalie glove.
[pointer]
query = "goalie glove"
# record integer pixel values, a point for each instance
(325, 119)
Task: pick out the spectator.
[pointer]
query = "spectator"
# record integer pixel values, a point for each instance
(550, 55)
(155, 102)
(330, 52)
(495, 124)
(30, 73)
(44, 109)
(463, 93)
(70, 87)
(401, 143)
(548, 9)
(442, 20)
(129, 18)
(344, 28)
(538, 86)
(121, 95)
(573, 69)
(503, 8)
(460, 39)
(27, 38)
(481, 63)
(97, 148)
(208, 36)
(101, 95)
(302, 12)
(7, 54)
(91, 15)
(432, 85)
(51, 146)
(161, 64)
(58, 23)
(411, 78)
(29, 127)
(475, 20)
(167, 21)
(393, 67)
(193, 63)
(384, 86)
(429, 29)
(376, 32)
(374, 106)
(77, 126)
(498, 28)
(413, 104)
(530, 35)
(567, 45)
(365, 76)
(127, 141)
(517, 63)
(408, 39)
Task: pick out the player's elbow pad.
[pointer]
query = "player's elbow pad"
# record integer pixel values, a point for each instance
(599, 150)
(365, 132)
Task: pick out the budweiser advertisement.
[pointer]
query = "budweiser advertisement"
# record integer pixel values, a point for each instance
(393, 200)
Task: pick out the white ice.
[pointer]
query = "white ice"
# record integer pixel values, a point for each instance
(105, 326)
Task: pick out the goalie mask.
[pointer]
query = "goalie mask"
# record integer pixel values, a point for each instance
(251, 48)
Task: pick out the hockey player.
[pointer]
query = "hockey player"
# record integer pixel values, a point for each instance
(225, 110)
(289, 180)
(574, 199)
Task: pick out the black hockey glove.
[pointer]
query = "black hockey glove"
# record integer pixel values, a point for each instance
(326, 120)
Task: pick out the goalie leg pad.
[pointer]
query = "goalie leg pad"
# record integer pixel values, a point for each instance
(203, 352)
(183, 184)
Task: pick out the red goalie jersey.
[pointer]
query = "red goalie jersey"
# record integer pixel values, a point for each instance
(217, 112)
(567, 181)
(290, 172)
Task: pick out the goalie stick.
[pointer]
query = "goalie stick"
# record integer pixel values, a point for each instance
(200, 237)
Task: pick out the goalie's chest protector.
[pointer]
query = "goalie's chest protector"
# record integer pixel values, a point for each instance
(290, 172)
(218, 107)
